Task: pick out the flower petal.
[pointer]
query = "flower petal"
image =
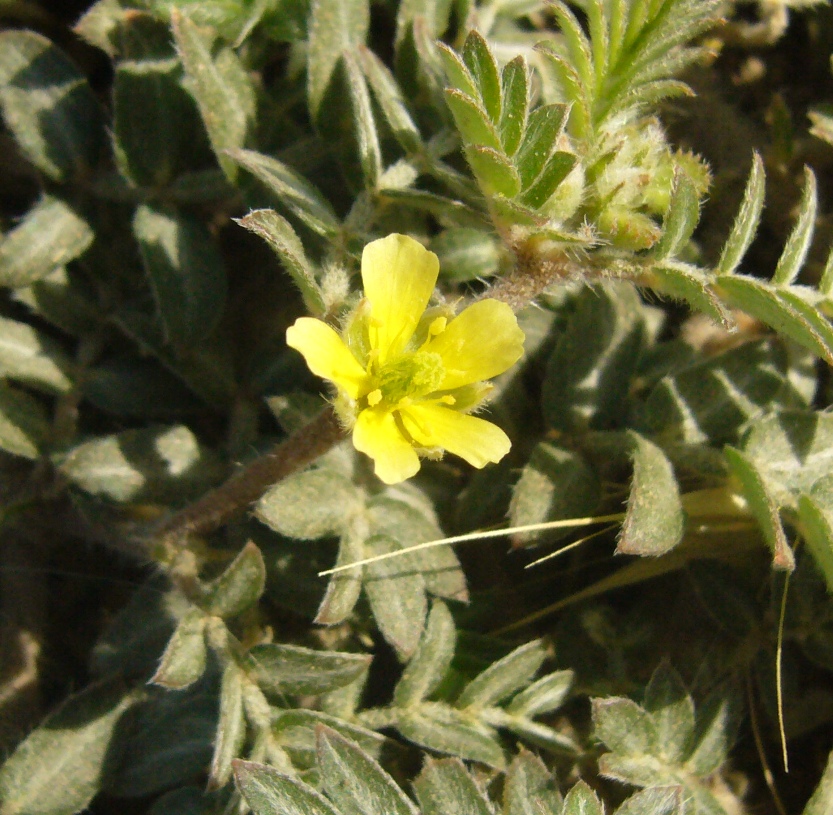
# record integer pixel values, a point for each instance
(377, 435)
(399, 276)
(475, 440)
(327, 355)
(482, 342)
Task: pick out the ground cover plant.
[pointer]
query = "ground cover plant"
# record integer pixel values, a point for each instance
(293, 287)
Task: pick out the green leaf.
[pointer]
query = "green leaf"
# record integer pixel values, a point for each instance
(24, 425)
(581, 800)
(157, 129)
(391, 99)
(410, 520)
(710, 401)
(557, 168)
(494, 171)
(310, 505)
(825, 284)
(58, 768)
(239, 587)
(33, 358)
(185, 270)
(624, 727)
(589, 372)
(397, 596)
(798, 244)
(133, 639)
(472, 121)
(458, 73)
(295, 730)
(184, 660)
(446, 730)
(762, 505)
(281, 237)
(152, 463)
(557, 483)
(530, 789)
(821, 801)
(504, 677)
(367, 138)
(445, 787)
(654, 521)
(168, 742)
(542, 696)
(680, 219)
(792, 449)
(50, 236)
(221, 98)
(300, 197)
(137, 386)
(672, 710)
(292, 669)
(655, 801)
(578, 46)
(231, 727)
(269, 792)
(775, 308)
(746, 221)
(344, 588)
(483, 68)
(336, 27)
(546, 124)
(466, 254)
(62, 298)
(817, 531)
(356, 783)
(515, 91)
(568, 78)
(431, 660)
(718, 719)
(684, 282)
(49, 107)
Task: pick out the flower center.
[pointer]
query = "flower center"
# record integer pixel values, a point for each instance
(408, 376)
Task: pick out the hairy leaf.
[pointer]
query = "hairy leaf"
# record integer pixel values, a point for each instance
(50, 236)
(355, 782)
(654, 521)
(282, 669)
(184, 660)
(239, 587)
(58, 768)
(431, 659)
(185, 271)
(49, 107)
(269, 792)
(444, 787)
(335, 27)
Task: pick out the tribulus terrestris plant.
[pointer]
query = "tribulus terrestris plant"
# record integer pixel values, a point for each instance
(301, 294)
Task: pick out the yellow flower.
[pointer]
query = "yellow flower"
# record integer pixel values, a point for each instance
(408, 378)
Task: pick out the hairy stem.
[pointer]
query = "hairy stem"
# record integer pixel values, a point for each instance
(247, 485)
(533, 273)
